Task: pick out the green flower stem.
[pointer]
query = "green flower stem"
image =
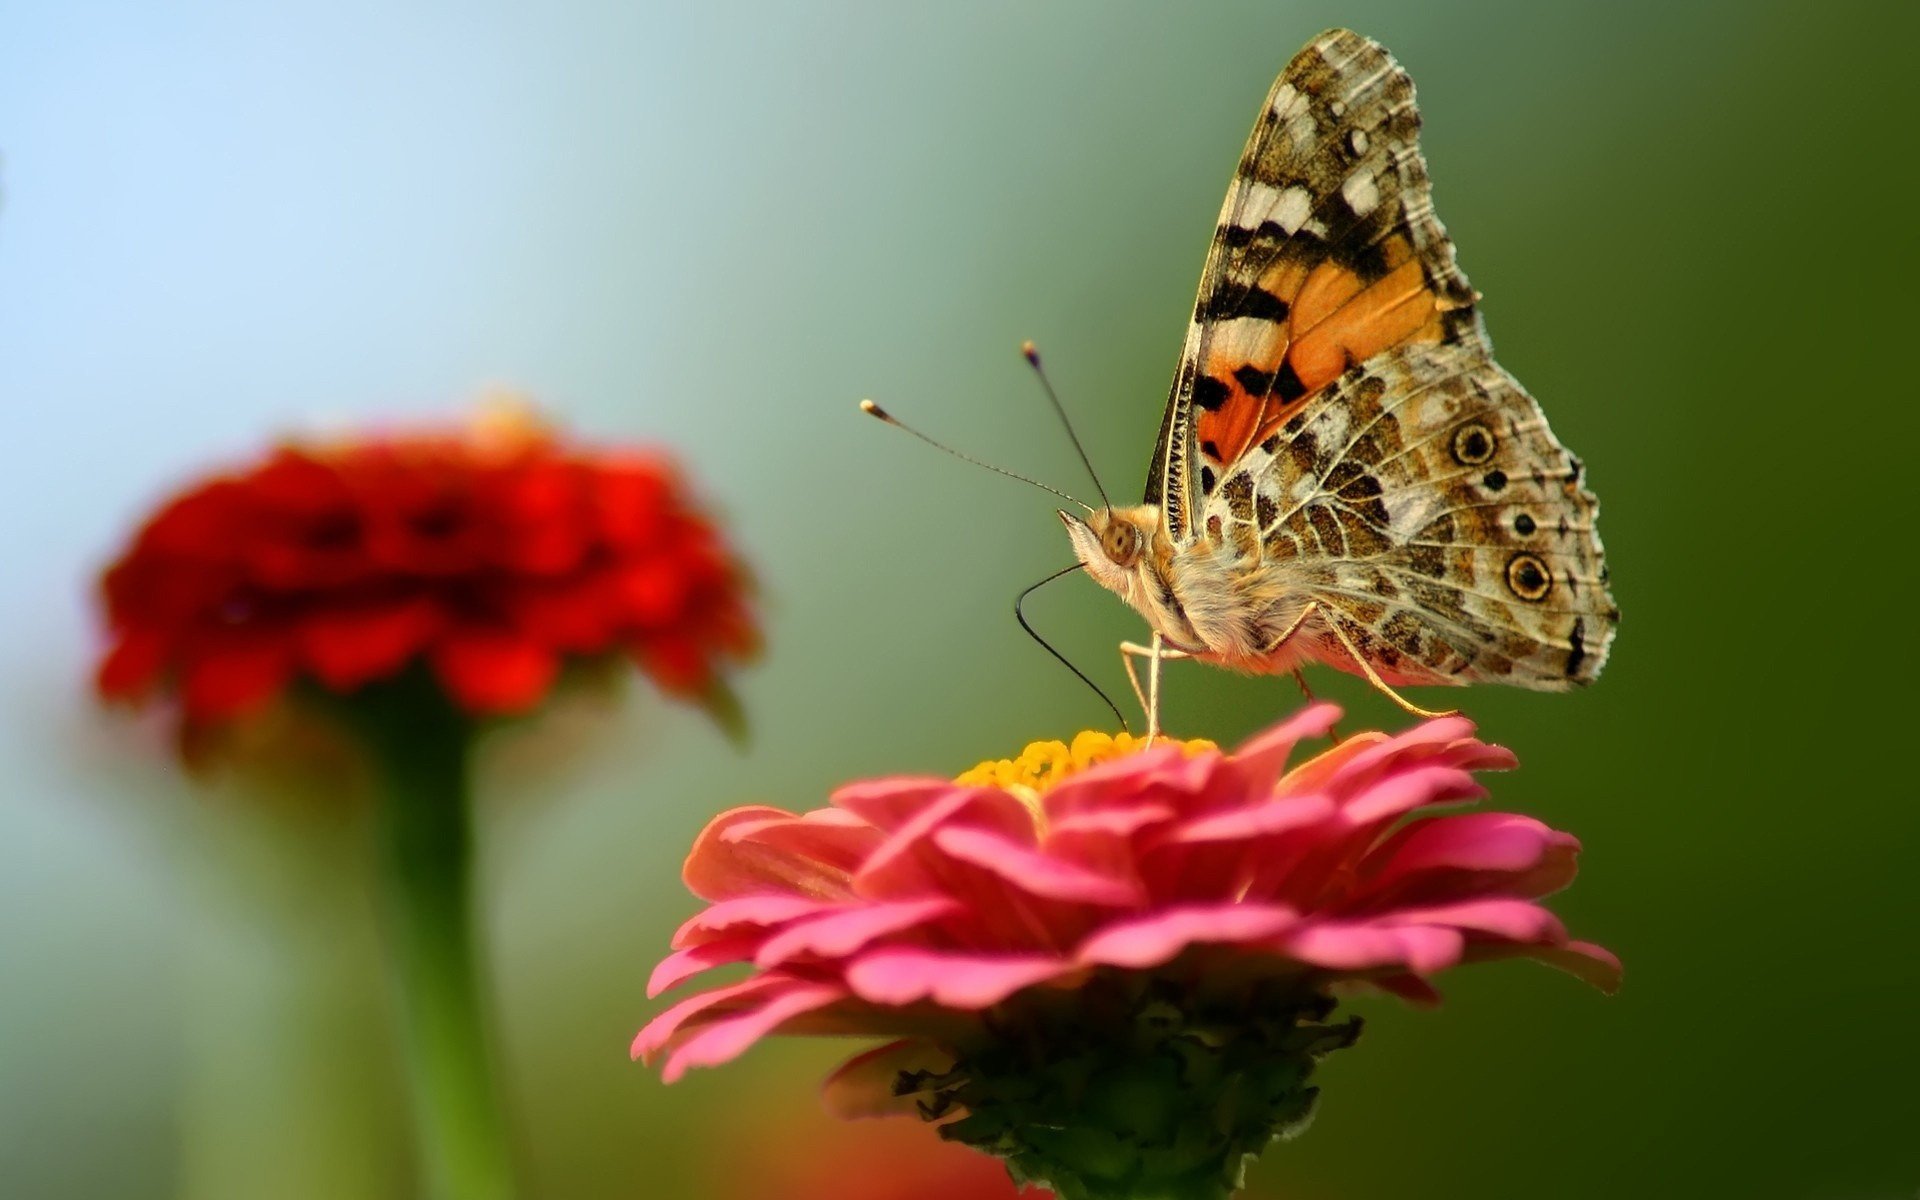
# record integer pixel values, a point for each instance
(284, 1092)
(421, 746)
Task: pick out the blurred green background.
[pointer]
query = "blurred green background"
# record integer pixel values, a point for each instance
(717, 227)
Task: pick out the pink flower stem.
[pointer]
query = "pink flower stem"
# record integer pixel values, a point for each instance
(421, 746)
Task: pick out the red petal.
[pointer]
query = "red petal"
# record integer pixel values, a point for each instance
(204, 524)
(348, 647)
(487, 671)
(652, 593)
(541, 531)
(132, 666)
(677, 664)
(575, 614)
(297, 483)
(630, 500)
(227, 680)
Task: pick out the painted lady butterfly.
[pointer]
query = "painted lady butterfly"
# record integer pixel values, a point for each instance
(1344, 474)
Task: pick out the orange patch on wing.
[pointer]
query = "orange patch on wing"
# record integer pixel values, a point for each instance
(1388, 312)
(1233, 426)
(1326, 289)
(1285, 279)
(1335, 319)
(1396, 250)
(1227, 431)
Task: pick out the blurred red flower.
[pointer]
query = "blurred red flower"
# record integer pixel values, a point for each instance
(492, 554)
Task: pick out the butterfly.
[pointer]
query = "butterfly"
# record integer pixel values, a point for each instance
(1343, 474)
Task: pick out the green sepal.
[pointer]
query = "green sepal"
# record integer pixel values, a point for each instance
(1133, 1090)
(722, 703)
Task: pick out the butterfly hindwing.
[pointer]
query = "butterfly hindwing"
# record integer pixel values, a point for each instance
(1422, 501)
(1326, 253)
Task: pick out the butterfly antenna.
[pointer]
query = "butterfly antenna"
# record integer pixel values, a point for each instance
(1032, 354)
(874, 410)
(1021, 617)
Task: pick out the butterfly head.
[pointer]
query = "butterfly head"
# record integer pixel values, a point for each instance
(1112, 543)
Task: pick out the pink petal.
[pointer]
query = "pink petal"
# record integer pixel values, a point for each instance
(888, 804)
(1110, 823)
(1440, 731)
(1403, 792)
(1582, 960)
(1103, 841)
(716, 869)
(1411, 988)
(1165, 775)
(898, 867)
(1462, 855)
(1263, 758)
(757, 849)
(1152, 940)
(964, 981)
(727, 1039)
(719, 1001)
(1476, 842)
(1515, 920)
(682, 965)
(1268, 819)
(1585, 960)
(863, 1086)
(840, 933)
(759, 911)
(1446, 741)
(1034, 871)
(1316, 773)
(828, 836)
(1344, 946)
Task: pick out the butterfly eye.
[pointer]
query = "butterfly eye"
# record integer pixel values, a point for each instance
(1122, 541)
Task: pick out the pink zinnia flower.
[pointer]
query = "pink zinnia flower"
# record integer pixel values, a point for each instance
(1112, 966)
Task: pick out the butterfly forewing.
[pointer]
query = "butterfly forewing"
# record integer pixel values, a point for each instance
(1326, 252)
(1338, 425)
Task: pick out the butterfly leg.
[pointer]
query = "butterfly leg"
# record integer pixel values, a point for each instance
(1149, 699)
(1381, 684)
(1300, 678)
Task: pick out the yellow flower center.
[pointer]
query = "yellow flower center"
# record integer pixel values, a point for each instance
(1043, 764)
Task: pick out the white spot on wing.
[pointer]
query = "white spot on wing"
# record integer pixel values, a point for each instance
(1249, 339)
(1361, 193)
(1287, 101)
(1292, 208)
(1257, 202)
(1302, 130)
